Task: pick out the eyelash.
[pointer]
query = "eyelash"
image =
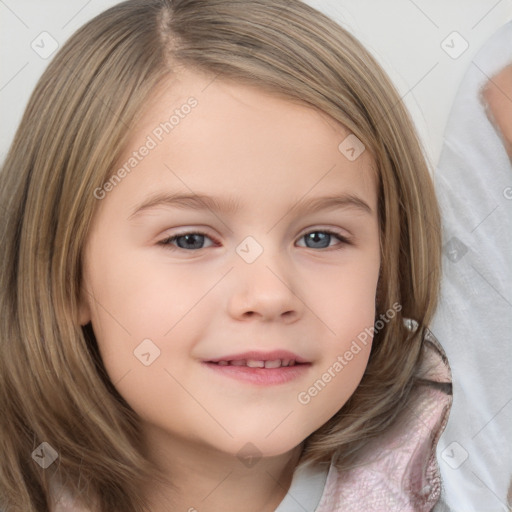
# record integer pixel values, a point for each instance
(166, 243)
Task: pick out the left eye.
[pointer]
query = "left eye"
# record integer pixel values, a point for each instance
(318, 239)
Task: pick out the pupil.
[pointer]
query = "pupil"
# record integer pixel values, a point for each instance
(192, 241)
(318, 236)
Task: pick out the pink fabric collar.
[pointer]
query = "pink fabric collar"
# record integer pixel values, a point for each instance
(399, 471)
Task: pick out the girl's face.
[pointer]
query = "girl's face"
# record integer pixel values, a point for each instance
(261, 269)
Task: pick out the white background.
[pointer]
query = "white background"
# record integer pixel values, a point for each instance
(404, 35)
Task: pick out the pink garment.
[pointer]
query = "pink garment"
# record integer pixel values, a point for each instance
(399, 471)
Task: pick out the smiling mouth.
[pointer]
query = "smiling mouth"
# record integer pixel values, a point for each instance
(252, 363)
(260, 372)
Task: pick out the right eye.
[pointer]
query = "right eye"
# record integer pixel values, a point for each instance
(190, 240)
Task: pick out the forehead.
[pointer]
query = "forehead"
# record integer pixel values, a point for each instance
(240, 139)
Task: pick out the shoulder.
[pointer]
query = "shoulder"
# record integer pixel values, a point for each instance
(399, 470)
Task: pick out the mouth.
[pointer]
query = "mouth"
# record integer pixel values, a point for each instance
(261, 368)
(253, 363)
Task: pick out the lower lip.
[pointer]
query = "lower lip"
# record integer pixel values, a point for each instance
(261, 376)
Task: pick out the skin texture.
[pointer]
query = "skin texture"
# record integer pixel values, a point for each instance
(497, 97)
(195, 304)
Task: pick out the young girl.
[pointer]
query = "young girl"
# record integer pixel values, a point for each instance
(222, 253)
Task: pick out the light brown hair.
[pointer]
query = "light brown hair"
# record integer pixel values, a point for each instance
(53, 386)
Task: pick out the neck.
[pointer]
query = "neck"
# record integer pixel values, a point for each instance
(203, 479)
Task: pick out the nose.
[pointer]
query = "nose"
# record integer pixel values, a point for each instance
(264, 289)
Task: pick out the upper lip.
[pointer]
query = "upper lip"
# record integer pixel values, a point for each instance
(255, 355)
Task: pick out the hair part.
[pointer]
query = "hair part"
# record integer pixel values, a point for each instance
(53, 386)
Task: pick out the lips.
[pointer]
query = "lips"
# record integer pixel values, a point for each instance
(260, 368)
(257, 359)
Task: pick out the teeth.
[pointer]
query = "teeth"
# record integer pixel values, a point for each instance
(252, 363)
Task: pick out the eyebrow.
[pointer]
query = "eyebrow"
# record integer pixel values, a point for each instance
(231, 206)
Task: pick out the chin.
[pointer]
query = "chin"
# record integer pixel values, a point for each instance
(261, 446)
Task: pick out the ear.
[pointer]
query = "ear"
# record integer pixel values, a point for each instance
(379, 295)
(84, 309)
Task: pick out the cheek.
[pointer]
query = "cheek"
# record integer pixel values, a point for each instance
(134, 298)
(347, 312)
(338, 374)
(139, 314)
(137, 300)
(346, 297)
(333, 385)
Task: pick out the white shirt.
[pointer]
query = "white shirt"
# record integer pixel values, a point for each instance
(474, 320)
(306, 489)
